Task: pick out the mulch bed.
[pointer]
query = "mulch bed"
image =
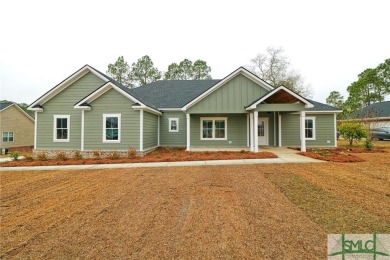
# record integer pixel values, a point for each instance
(161, 154)
(331, 155)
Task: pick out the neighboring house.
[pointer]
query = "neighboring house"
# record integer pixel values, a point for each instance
(90, 111)
(377, 114)
(17, 128)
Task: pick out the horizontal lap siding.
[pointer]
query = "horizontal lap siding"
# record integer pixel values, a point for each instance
(236, 132)
(230, 98)
(62, 104)
(173, 138)
(111, 102)
(150, 130)
(324, 130)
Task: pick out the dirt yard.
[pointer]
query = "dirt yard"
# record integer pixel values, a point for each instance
(230, 212)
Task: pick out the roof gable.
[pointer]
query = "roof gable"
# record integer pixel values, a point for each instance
(5, 105)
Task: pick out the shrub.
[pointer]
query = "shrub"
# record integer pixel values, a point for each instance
(29, 158)
(97, 153)
(61, 156)
(42, 156)
(114, 155)
(131, 152)
(77, 155)
(352, 130)
(368, 144)
(14, 155)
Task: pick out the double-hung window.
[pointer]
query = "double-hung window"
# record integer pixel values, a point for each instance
(111, 128)
(213, 128)
(61, 128)
(8, 136)
(310, 128)
(173, 124)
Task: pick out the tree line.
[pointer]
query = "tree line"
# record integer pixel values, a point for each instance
(371, 86)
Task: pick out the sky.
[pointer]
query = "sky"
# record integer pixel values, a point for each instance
(329, 42)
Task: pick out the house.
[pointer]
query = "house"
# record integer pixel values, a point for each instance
(89, 111)
(17, 128)
(377, 114)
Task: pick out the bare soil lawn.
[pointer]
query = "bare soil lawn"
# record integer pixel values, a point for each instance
(232, 212)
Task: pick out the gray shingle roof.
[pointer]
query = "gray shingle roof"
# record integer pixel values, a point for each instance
(381, 109)
(321, 107)
(171, 93)
(4, 105)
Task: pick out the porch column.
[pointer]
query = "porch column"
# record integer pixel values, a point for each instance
(141, 130)
(188, 132)
(251, 141)
(280, 129)
(247, 131)
(35, 129)
(82, 130)
(303, 139)
(158, 130)
(255, 126)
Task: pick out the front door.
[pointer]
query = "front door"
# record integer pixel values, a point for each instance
(262, 131)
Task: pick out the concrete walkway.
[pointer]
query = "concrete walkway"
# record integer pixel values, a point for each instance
(285, 155)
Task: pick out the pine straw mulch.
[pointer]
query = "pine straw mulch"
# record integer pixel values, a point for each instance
(161, 154)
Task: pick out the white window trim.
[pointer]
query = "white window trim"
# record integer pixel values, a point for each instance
(314, 127)
(213, 119)
(8, 141)
(119, 128)
(170, 124)
(55, 129)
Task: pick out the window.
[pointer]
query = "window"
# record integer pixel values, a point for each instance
(173, 124)
(213, 128)
(310, 129)
(111, 128)
(8, 136)
(61, 128)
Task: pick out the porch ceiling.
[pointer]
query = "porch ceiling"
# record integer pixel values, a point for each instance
(281, 97)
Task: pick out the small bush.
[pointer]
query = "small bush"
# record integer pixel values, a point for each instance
(28, 158)
(42, 156)
(368, 144)
(77, 155)
(114, 155)
(352, 130)
(131, 152)
(97, 154)
(61, 156)
(14, 155)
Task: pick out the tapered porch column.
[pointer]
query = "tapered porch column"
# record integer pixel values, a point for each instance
(255, 126)
(302, 128)
(188, 132)
(251, 141)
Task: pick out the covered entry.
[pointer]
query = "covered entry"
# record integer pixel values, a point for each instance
(279, 100)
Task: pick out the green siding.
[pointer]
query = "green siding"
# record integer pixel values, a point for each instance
(236, 131)
(280, 107)
(173, 138)
(111, 102)
(62, 104)
(150, 130)
(324, 128)
(230, 98)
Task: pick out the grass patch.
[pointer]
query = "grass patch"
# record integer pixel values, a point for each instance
(334, 214)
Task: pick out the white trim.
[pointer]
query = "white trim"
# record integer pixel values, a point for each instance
(247, 130)
(251, 143)
(170, 124)
(158, 131)
(188, 132)
(323, 112)
(307, 103)
(119, 116)
(274, 129)
(66, 83)
(213, 119)
(303, 130)
(314, 126)
(141, 130)
(255, 126)
(238, 71)
(266, 132)
(335, 130)
(35, 129)
(82, 130)
(280, 129)
(55, 117)
(8, 132)
(170, 109)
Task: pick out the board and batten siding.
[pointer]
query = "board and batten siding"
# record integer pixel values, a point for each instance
(324, 128)
(112, 102)
(232, 97)
(150, 132)
(236, 131)
(173, 138)
(62, 104)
